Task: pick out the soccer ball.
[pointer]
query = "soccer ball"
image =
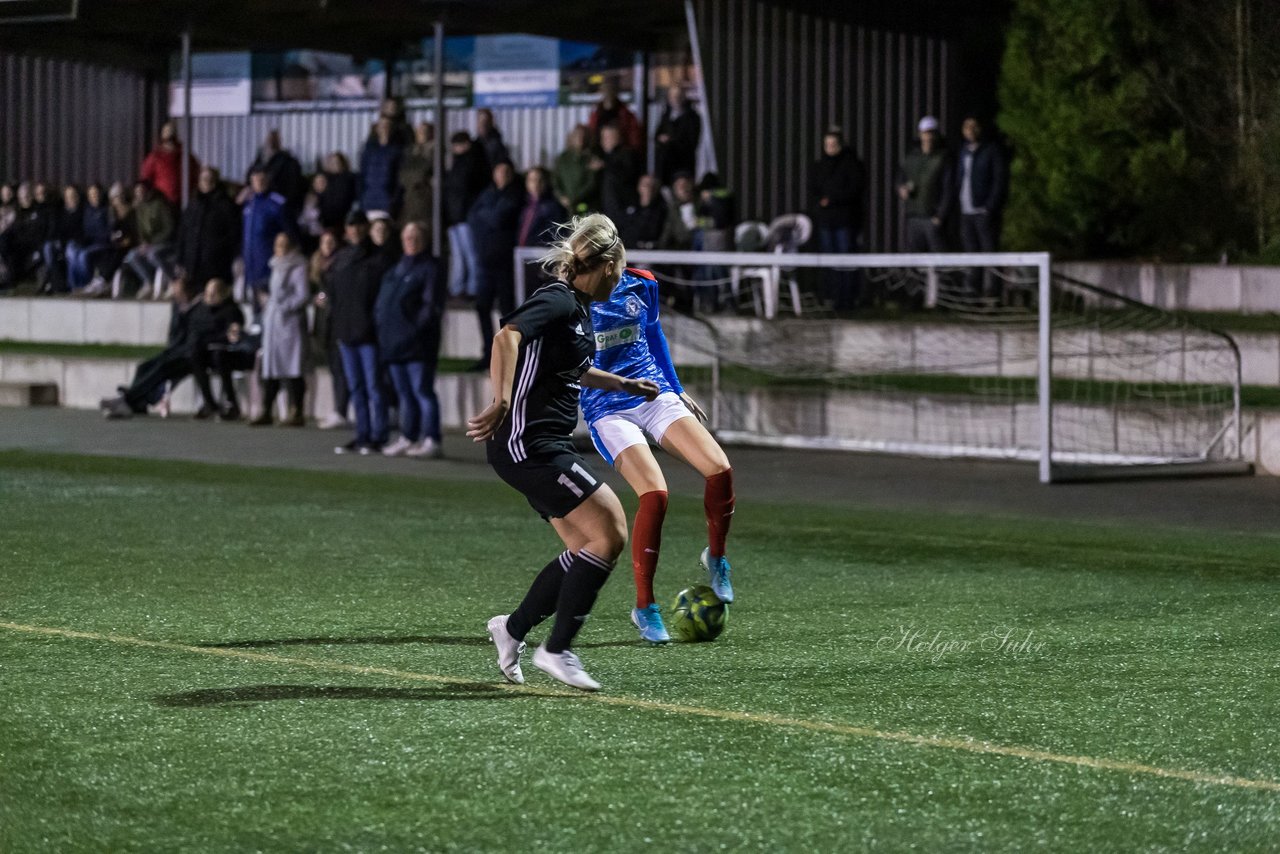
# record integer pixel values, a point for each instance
(698, 614)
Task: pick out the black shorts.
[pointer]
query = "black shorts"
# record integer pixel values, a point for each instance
(555, 483)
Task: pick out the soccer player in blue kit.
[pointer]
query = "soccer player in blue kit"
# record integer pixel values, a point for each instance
(541, 357)
(630, 343)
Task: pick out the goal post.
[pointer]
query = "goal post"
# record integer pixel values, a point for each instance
(1082, 382)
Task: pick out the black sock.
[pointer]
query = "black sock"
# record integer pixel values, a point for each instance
(582, 582)
(540, 602)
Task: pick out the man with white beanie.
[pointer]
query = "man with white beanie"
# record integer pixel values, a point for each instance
(924, 185)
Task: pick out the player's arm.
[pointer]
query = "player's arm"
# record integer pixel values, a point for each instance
(661, 352)
(502, 375)
(605, 381)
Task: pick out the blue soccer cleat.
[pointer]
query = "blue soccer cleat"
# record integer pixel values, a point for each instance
(649, 621)
(718, 575)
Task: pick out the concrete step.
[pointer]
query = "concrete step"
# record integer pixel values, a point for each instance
(28, 394)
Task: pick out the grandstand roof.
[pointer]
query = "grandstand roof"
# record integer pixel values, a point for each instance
(142, 33)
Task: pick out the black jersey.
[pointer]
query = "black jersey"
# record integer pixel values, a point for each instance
(556, 349)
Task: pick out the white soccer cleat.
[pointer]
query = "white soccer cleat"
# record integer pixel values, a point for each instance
(509, 650)
(564, 666)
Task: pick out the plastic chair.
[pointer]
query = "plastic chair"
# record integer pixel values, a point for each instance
(786, 235)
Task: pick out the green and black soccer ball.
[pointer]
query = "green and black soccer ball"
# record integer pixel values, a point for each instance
(698, 614)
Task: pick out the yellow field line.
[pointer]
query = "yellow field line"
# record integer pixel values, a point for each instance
(943, 742)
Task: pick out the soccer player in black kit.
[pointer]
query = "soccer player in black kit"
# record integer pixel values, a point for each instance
(541, 358)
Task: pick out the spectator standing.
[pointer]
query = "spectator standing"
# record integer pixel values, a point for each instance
(209, 235)
(619, 167)
(339, 193)
(283, 171)
(611, 111)
(309, 225)
(408, 315)
(494, 221)
(8, 206)
(541, 212)
(576, 184)
(326, 343)
(924, 185)
(20, 244)
(644, 223)
(392, 109)
(677, 137)
(980, 181)
(284, 333)
(380, 172)
(464, 181)
(154, 253)
(490, 139)
(265, 216)
(837, 190)
(351, 291)
(417, 169)
(162, 167)
(66, 227)
(95, 239)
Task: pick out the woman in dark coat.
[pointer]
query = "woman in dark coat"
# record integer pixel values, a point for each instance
(408, 315)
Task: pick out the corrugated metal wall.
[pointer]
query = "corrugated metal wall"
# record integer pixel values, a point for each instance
(63, 121)
(776, 78)
(534, 136)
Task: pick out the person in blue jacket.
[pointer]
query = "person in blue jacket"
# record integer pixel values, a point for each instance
(380, 172)
(408, 318)
(630, 343)
(264, 217)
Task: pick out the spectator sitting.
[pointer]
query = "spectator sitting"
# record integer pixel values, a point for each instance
(154, 251)
(644, 224)
(339, 194)
(284, 174)
(284, 333)
(677, 137)
(717, 213)
(494, 222)
(193, 325)
(8, 206)
(325, 344)
(264, 217)
(162, 167)
(408, 315)
(166, 368)
(684, 210)
(541, 212)
(20, 244)
(576, 183)
(380, 172)
(489, 139)
(66, 226)
(209, 236)
(924, 185)
(417, 168)
(619, 168)
(95, 239)
(611, 111)
(464, 181)
(124, 236)
(214, 333)
(350, 292)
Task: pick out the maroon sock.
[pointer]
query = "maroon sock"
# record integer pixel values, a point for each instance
(646, 540)
(718, 501)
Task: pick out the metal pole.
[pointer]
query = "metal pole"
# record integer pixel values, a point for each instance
(437, 151)
(709, 140)
(646, 122)
(1046, 374)
(186, 117)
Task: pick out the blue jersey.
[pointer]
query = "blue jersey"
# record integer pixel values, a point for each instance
(630, 343)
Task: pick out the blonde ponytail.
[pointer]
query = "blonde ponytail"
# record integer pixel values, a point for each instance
(582, 244)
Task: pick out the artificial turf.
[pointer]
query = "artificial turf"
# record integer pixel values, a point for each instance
(327, 684)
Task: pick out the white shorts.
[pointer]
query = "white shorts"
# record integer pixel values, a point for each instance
(614, 433)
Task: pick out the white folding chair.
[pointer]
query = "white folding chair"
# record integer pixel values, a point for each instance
(786, 234)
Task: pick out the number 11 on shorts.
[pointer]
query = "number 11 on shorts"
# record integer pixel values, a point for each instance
(568, 484)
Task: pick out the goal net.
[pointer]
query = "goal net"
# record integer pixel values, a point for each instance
(1085, 382)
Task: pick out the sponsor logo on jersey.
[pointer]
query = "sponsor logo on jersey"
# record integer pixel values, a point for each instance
(617, 337)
